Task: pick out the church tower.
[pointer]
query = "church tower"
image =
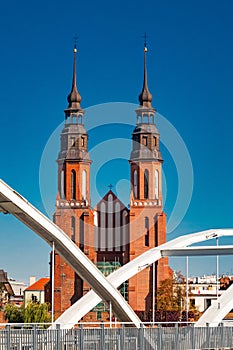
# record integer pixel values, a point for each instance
(147, 219)
(73, 205)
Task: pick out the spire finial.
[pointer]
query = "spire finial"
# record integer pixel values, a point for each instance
(75, 43)
(145, 43)
(74, 97)
(145, 97)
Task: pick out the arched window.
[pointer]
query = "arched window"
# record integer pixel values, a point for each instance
(102, 229)
(146, 184)
(62, 185)
(74, 119)
(117, 243)
(156, 184)
(80, 119)
(73, 228)
(73, 184)
(135, 184)
(110, 223)
(81, 233)
(84, 185)
(146, 222)
(144, 140)
(82, 141)
(147, 242)
(125, 238)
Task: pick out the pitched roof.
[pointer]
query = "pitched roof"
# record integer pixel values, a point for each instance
(38, 285)
(115, 199)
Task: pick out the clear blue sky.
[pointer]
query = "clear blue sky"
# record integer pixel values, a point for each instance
(190, 75)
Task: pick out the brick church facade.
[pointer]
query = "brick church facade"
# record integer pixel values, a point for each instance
(110, 234)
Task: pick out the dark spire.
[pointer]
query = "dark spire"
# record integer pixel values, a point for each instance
(145, 97)
(74, 98)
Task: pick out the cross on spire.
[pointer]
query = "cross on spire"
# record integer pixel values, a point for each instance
(75, 41)
(145, 39)
(110, 186)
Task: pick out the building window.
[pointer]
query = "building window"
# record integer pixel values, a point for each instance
(144, 140)
(80, 119)
(81, 233)
(147, 232)
(135, 184)
(117, 233)
(73, 228)
(156, 184)
(62, 185)
(102, 229)
(155, 141)
(84, 185)
(82, 141)
(109, 237)
(72, 142)
(146, 184)
(147, 223)
(147, 243)
(73, 184)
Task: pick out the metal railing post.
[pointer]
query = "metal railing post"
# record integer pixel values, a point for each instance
(34, 336)
(176, 335)
(58, 337)
(221, 345)
(102, 336)
(8, 337)
(141, 337)
(192, 336)
(207, 335)
(160, 345)
(81, 338)
(122, 337)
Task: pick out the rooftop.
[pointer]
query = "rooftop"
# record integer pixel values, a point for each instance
(38, 285)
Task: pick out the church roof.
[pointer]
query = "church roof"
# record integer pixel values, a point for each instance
(115, 199)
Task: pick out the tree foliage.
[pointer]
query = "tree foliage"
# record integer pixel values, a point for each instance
(33, 313)
(36, 313)
(13, 314)
(171, 294)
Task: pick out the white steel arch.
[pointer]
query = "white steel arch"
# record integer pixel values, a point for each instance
(218, 309)
(72, 315)
(13, 203)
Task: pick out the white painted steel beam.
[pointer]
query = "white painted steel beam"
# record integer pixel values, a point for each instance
(198, 251)
(79, 309)
(13, 203)
(103, 288)
(218, 309)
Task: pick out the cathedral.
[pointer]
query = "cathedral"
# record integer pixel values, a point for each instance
(110, 234)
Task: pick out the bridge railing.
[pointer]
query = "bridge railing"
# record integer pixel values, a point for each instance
(115, 336)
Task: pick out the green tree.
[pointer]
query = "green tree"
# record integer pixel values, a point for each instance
(37, 313)
(171, 294)
(13, 314)
(33, 313)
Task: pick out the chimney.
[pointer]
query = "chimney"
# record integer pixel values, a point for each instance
(32, 280)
